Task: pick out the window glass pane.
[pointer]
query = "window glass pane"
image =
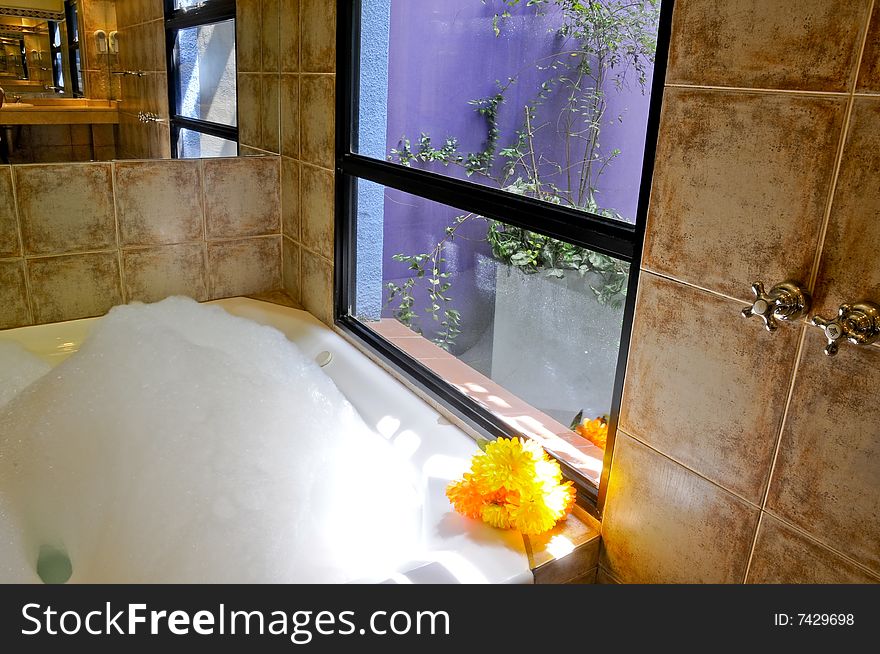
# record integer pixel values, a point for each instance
(528, 326)
(195, 145)
(547, 99)
(77, 62)
(186, 4)
(206, 75)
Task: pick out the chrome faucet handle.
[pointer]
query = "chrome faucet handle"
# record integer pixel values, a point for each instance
(785, 301)
(858, 323)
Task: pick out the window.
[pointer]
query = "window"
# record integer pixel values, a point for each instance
(202, 93)
(494, 164)
(77, 85)
(55, 53)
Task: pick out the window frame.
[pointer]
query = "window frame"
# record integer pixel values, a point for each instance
(72, 14)
(56, 50)
(600, 234)
(210, 11)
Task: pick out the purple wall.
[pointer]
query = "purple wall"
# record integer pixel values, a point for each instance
(443, 54)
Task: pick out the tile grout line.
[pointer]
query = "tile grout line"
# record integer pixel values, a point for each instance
(19, 229)
(676, 280)
(688, 468)
(841, 147)
(750, 89)
(113, 184)
(782, 424)
(209, 285)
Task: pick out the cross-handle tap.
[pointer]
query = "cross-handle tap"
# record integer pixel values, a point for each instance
(858, 323)
(786, 301)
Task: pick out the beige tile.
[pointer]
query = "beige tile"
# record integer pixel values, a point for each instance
(81, 153)
(242, 196)
(318, 20)
(9, 245)
(869, 74)
(152, 274)
(290, 269)
(740, 187)
(159, 202)
(270, 36)
(317, 286)
(807, 45)
(290, 198)
(317, 107)
(71, 287)
(244, 267)
(13, 295)
(317, 210)
(784, 555)
(825, 479)
(103, 135)
(665, 524)
(66, 208)
(850, 267)
(248, 41)
(290, 115)
(270, 113)
(290, 36)
(80, 135)
(249, 123)
(50, 135)
(695, 369)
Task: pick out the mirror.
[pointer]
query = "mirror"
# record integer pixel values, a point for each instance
(89, 80)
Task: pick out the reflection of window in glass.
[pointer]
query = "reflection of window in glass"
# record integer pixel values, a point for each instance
(202, 78)
(56, 57)
(493, 157)
(77, 83)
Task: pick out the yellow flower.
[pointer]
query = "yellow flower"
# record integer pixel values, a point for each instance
(595, 431)
(465, 497)
(532, 516)
(506, 463)
(497, 515)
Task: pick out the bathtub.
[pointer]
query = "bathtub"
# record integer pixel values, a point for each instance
(452, 549)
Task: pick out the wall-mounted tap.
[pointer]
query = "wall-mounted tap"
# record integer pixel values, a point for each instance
(858, 323)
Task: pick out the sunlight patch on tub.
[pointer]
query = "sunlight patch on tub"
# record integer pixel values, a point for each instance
(559, 546)
(441, 466)
(407, 443)
(388, 426)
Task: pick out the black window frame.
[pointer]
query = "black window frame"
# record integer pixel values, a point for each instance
(616, 238)
(54, 50)
(210, 11)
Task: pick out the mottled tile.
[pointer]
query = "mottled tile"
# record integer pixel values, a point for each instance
(242, 196)
(152, 274)
(103, 135)
(317, 286)
(270, 36)
(9, 245)
(71, 287)
(80, 135)
(785, 556)
(13, 295)
(290, 115)
(869, 73)
(66, 208)
(244, 267)
(290, 269)
(825, 479)
(249, 125)
(808, 45)
(317, 107)
(318, 46)
(664, 524)
(270, 113)
(317, 210)
(248, 41)
(290, 36)
(290, 198)
(159, 202)
(740, 187)
(692, 385)
(850, 267)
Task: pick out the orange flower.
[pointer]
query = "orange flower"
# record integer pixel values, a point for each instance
(465, 497)
(595, 431)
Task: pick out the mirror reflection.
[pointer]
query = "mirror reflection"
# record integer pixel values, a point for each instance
(96, 80)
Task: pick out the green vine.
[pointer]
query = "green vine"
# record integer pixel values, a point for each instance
(601, 42)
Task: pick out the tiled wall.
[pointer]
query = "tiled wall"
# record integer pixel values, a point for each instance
(56, 143)
(99, 15)
(77, 239)
(142, 48)
(286, 105)
(744, 455)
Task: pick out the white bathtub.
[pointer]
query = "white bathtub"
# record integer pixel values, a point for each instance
(453, 549)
